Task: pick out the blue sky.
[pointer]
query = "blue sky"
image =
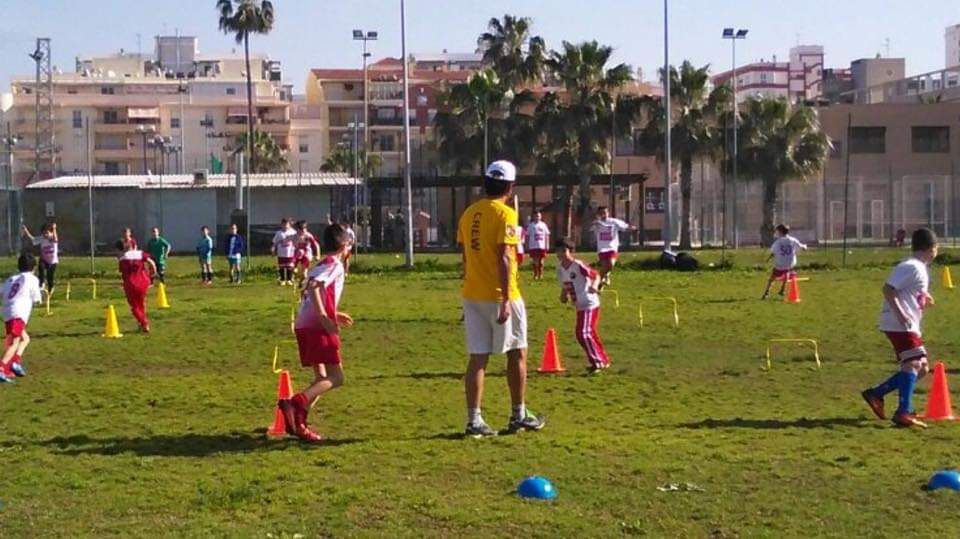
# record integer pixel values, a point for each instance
(316, 33)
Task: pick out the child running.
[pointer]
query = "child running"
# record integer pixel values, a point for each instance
(905, 296)
(205, 256)
(136, 270)
(784, 255)
(49, 254)
(608, 231)
(20, 292)
(579, 283)
(307, 249)
(538, 239)
(318, 333)
(234, 246)
(159, 249)
(284, 246)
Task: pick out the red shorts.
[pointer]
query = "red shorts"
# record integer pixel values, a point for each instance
(284, 262)
(907, 345)
(783, 275)
(317, 347)
(302, 261)
(609, 255)
(519, 258)
(537, 254)
(15, 327)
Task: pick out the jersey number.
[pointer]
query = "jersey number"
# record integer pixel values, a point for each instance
(13, 290)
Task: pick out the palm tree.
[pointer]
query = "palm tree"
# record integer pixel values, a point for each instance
(695, 132)
(241, 18)
(779, 142)
(576, 127)
(510, 50)
(265, 154)
(342, 159)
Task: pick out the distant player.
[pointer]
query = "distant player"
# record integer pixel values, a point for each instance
(307, 250)
(905, 296)
(128, 238)
(205, 255)
(49, 254)
(20, 292)
(284, 246)
(538, 241)
(318, 333)
(608, 231)
(784, 255)
(521, 244)
(579, 283)
(136, 271)
(352, 242)
(159, 249)
(234, 246)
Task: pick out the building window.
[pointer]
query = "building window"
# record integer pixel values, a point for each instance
(111, 168)
(304, 147)
(836, 152)
(868, 140)
(174, 123)
(77, 119)
(231, 91)
(111, 117)
(384, 143)
(931, 139)
(106, 90)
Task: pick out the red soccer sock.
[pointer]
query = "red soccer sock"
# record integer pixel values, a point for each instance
(15, 359)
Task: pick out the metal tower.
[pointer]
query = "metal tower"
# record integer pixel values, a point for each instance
(44, 150)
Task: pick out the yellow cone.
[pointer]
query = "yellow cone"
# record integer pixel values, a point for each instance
(947, 278)
(111, 329)
(162, 302)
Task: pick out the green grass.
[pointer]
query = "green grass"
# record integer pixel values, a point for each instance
(164, 434)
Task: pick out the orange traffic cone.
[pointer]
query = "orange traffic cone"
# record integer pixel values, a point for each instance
(284, 391)
(793, 291)
(938, 403)
(551, 354)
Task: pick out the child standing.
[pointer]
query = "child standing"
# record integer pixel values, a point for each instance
(234, 246)
(318, 333)
(538, 239)
(784, 255)
(205, 255)
(159, 249)
(284, 245)
(20, 292)
(136, 270)
(905, 295)
(579, 283)
(49, 254)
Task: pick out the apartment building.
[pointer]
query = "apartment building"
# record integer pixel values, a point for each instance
(107, 113)
(799, 79)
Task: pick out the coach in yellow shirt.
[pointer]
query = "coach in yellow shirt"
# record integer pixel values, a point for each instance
(493, 311)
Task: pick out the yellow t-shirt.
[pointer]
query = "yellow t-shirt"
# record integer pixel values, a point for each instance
(484, 226)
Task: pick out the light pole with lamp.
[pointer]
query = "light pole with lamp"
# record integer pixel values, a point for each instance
(360, 35)
(733, 36)
(143, 130)
(356, 127)
(407, 181)
(668, 172)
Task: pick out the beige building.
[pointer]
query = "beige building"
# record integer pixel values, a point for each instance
(197, 101)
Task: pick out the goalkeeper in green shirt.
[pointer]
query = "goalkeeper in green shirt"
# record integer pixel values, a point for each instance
(159, 248)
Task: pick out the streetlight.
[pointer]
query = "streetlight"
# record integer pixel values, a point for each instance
(165, 147)
(355, 126)
(10, 142)
(143, 130)
(360, 35)
(407, 183)
(733, 36)
(668, 207)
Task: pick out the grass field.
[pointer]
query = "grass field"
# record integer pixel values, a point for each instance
(164, 434)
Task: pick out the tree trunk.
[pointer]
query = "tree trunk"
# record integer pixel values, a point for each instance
(250, 155)
(584, 210)
(769, 206)
(686, 189)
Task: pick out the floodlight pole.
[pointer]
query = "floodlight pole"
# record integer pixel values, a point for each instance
(407, 183)
(668, 173)
(733, 36)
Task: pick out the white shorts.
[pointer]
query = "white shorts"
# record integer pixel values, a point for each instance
(486, 336)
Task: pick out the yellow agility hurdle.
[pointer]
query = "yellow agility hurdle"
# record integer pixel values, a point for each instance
(616, 296)
(46, 293)
(276, 355)
(676, 309)
(93, 288)
(812, 342)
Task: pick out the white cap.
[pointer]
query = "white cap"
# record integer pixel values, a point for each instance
(502, 170)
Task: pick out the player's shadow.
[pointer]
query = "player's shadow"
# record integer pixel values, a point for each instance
(725, 300)
(64, 334)
(428, 375)
(775, 424)
(179, 445)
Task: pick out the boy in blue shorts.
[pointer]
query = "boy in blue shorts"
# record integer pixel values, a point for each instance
(905, 296)
(234, 247)
(205, 255)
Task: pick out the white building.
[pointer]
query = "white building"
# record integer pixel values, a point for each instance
(799, 79)
(951, 46)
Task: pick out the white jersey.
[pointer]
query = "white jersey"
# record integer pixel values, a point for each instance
(608, 233)
(285, 243)
(329, 275)
(785, 252)
(538, 236)
(49, 250)
(911, 281)
(522, 242)
(577, 280)
(351, 238)
(20, 292)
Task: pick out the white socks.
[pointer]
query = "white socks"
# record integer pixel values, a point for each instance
(473, 416)
(519, 411)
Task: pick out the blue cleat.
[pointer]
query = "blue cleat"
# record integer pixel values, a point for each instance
(6, 377)
(18, 369)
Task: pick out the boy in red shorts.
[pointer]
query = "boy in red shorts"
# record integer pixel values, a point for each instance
(905, 296)
(608, 231)
(318, 333)
(137, 271)
(784, 255)
(538, 240)
(20, 292)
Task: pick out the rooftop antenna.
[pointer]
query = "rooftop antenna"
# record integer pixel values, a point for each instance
(886, 47)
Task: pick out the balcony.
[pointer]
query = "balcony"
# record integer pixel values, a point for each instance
(119, 127)
(118, 154)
